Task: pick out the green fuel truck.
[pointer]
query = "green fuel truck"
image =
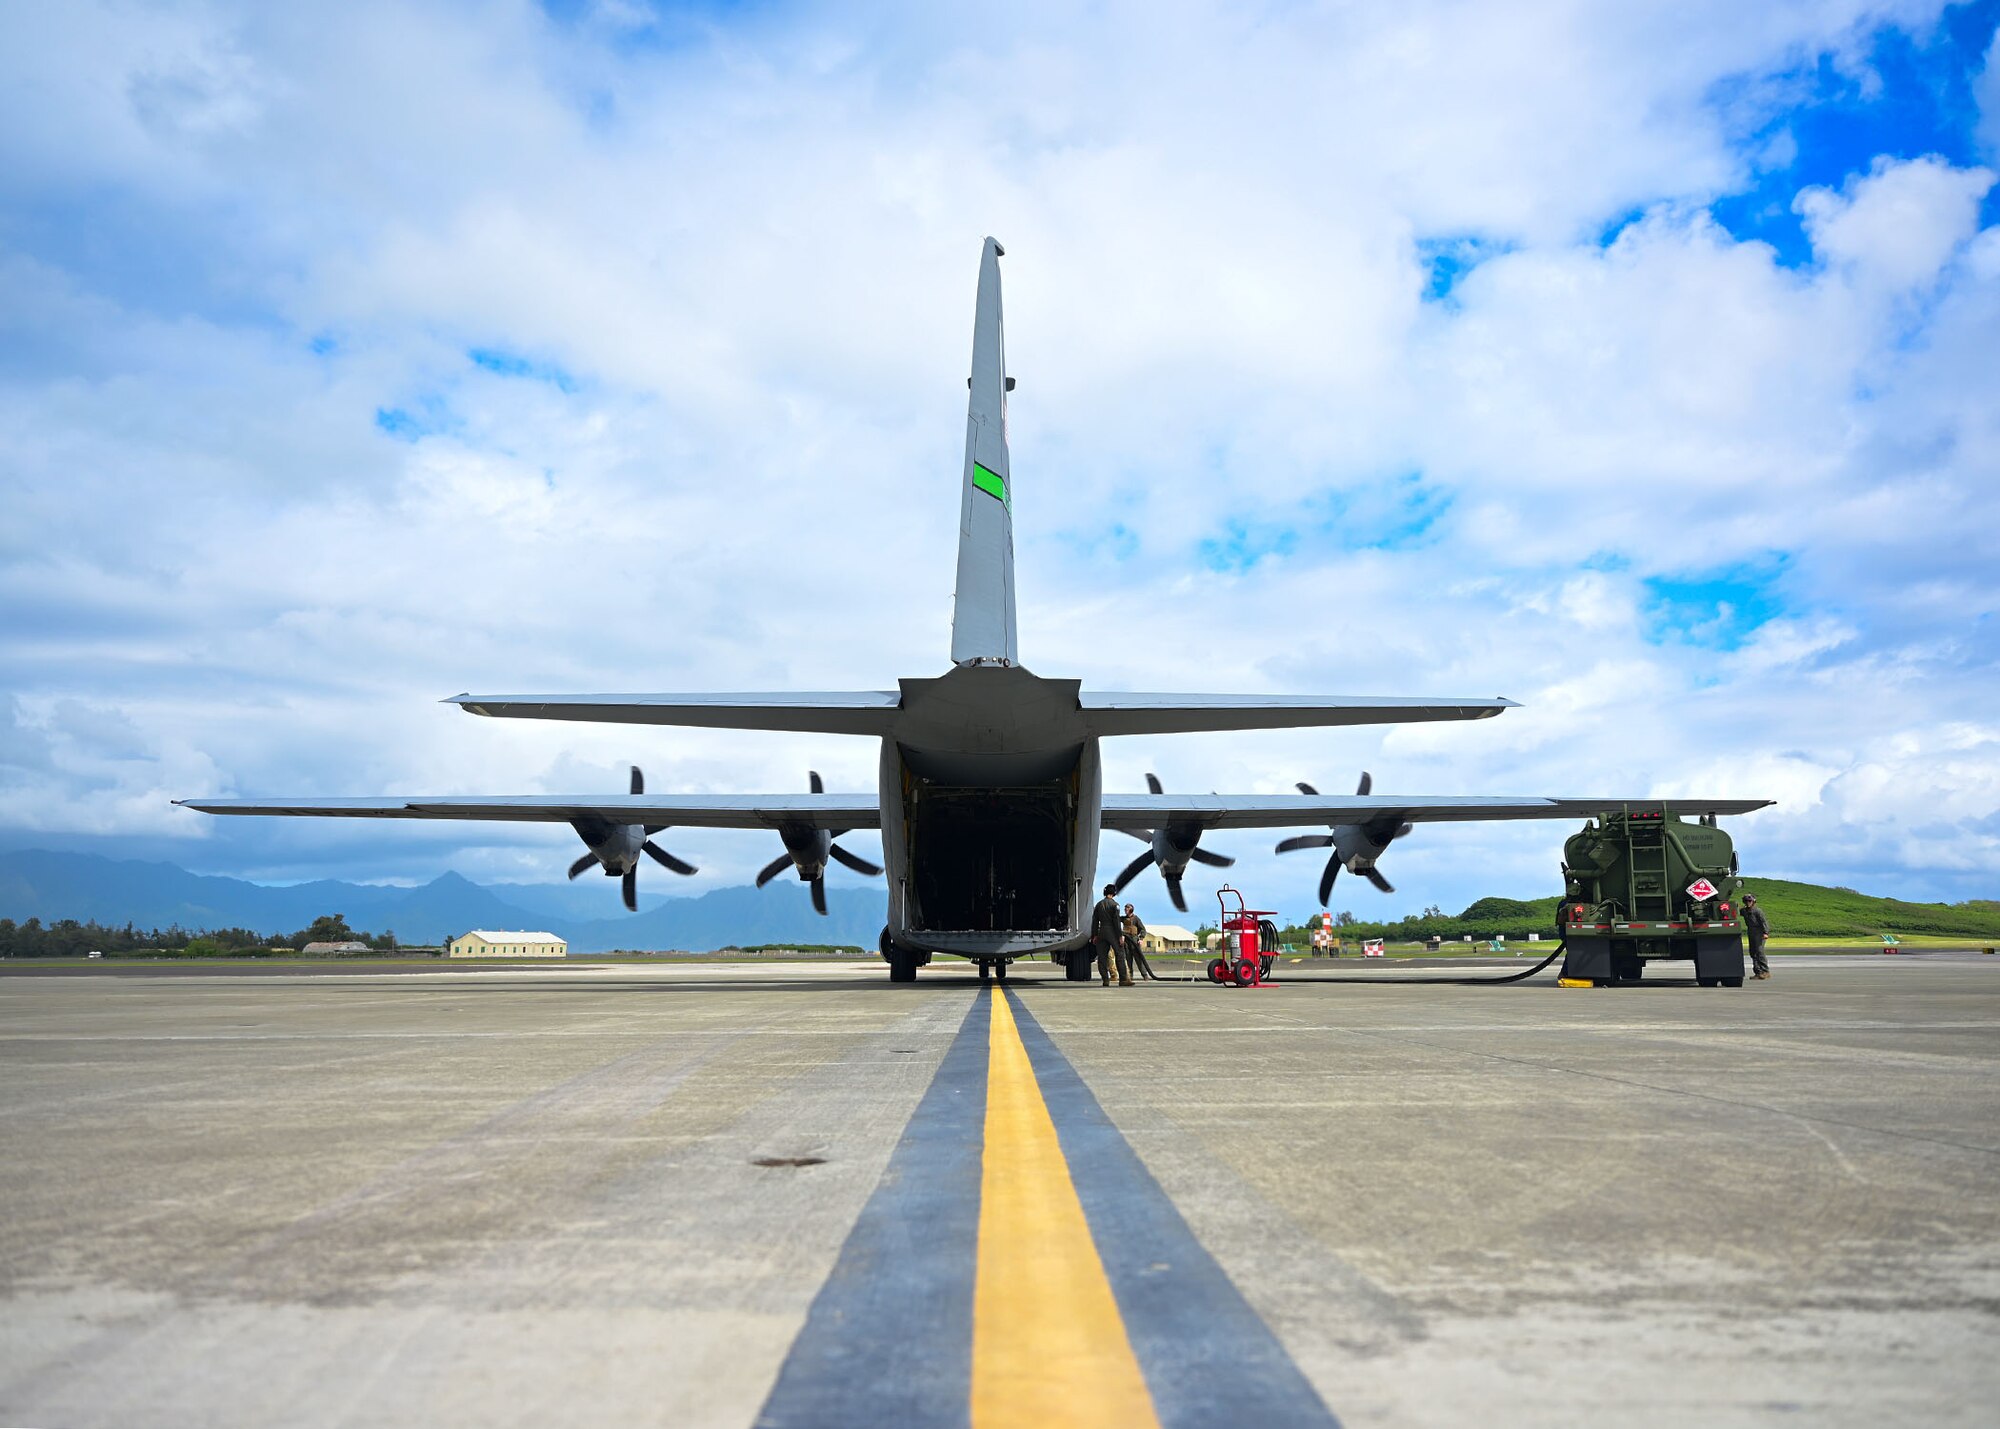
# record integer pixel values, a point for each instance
(1641, 885)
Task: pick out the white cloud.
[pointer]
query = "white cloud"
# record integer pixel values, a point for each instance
(1898, 225)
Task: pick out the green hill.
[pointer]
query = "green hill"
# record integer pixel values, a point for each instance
(1809, 908)
(1795, 909)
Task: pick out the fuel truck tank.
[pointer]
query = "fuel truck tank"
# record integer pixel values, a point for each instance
(1643, 885)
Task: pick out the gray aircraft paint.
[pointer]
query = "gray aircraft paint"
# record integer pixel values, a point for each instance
(987, 728)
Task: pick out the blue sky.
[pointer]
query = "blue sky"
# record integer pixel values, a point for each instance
(1630, 360)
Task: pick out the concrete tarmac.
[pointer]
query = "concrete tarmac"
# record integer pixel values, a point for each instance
(611, 1194)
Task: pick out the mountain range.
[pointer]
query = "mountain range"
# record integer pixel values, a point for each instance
(37, 883)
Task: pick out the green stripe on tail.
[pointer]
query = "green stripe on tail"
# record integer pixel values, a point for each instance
(992, 483)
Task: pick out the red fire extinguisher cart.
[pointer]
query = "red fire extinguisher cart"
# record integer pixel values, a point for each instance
(1246, 962)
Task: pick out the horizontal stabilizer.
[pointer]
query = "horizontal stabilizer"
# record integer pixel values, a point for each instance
(1138, 813)
(692, 811)
(869, 712)
(1122, 713)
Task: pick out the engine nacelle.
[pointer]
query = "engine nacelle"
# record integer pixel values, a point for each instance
(617, 846)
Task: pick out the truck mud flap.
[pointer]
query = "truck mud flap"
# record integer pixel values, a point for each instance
(1586, 959)
(1719, 959)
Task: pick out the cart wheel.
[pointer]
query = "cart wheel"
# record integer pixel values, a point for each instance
(1218, 971)
(1246, 973)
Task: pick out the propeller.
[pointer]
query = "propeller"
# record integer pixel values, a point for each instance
(807, 849)
(1355, 846)
(1173, 847)
(616, 848)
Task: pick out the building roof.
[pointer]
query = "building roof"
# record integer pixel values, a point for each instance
(504, 935)
(1171, 932)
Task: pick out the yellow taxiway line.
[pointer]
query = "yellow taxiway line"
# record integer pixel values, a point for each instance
(1048, 1344)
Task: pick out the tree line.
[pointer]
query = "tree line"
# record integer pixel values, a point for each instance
(67, 938)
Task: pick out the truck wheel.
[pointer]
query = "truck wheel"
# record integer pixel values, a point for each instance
(1732, 982)
(1708, 981)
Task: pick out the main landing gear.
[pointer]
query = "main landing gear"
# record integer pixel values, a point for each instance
(992, 968)
(902, 961)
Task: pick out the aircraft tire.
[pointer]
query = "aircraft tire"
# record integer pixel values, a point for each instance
(902, 965)
(1000, 971)
(985, 971)
(1077, 968)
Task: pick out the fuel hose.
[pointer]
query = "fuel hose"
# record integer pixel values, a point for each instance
(1561, 947)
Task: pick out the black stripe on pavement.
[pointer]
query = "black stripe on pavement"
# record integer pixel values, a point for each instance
(889, 1337)
(1209, 1359)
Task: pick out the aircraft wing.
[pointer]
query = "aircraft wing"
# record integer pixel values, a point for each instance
(1137, 813)
(844, 712)
(696, 811)
(1130, 713)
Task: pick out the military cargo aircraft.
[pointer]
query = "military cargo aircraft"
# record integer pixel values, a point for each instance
(989, 799)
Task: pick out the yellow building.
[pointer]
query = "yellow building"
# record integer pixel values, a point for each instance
(500, 943)
(1167, 938)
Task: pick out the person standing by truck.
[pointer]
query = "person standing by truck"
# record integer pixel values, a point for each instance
(1759, 928)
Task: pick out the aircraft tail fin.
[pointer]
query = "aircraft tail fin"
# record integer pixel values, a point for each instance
(982, 621)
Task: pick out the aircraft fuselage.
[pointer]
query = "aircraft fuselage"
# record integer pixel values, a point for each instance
(990, 793)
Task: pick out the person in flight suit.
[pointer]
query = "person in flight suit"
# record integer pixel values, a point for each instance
(1135, 955)
(1107, 937)
(1759, 928)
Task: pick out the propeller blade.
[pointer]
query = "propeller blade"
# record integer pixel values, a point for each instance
(812, 778)
(1293, 845)
(1307, 789)
(1326, 878)
(1153, 783)
(589, 860)
(638, 781)
(1374, 876)
(1132, 870)
(819, 896)
(631, 886)
(667, 860)
(1367, 783)
(859, 865)
(775, 867)
(1174, 892)
(1213, 860)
